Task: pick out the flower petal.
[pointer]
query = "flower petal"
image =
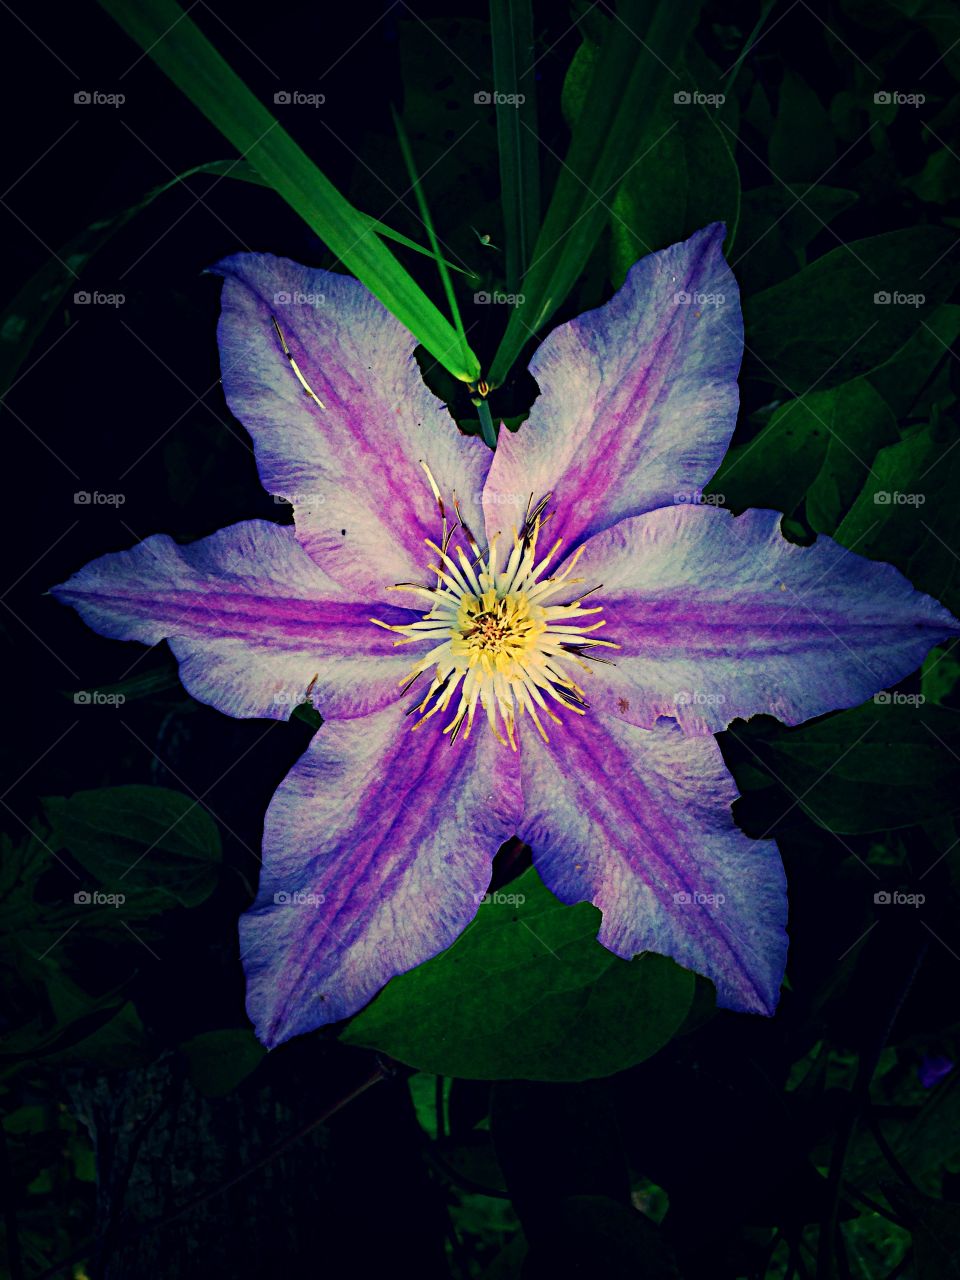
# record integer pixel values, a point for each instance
(393, 834)
(719, 617)
(251, 618)
(638, 399)
(362, 503)
(638, 822)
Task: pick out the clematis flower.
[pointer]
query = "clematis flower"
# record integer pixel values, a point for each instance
(540, 641)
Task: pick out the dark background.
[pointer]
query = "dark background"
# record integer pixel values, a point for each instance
(131, 1084)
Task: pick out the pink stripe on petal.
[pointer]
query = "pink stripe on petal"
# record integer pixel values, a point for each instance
(253, 621)
(362, 503)
(720, 617)
(638, 822)
(388, 837)
(638, 399)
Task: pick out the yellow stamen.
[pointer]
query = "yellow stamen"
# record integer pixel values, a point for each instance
(494, 635)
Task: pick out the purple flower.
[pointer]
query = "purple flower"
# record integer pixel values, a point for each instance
(450, 612)
(933, 1069)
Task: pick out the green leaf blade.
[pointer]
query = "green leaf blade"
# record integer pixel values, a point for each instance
(511, 29)
(528, 993)
(184, 54)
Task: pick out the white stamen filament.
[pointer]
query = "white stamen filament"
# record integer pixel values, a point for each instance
(496, 635)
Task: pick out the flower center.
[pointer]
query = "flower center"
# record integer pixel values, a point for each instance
(500, 635)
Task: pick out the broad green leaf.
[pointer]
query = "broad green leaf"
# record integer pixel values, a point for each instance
(511, 34)
(823, 326)
(940, 674)
(818, 447)
(576, 83)
(688, 180)
(922, 1142)
(801, 143)
(628, 79)
(938, 182)
(527, 992)
(158, 848)
(903, 380)
(220, 1060)
(935, 1227)
(777, 224)
(120, 1041)
(862, 423)
(878, 766)
(180, 49)
(906, 512)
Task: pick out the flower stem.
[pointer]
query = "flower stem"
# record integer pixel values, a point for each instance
(486, 424)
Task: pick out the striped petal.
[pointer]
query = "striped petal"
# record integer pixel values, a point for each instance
(362, 503)
(638, 822)
(256, 626)
(719, 617)
(377, 849)
(638, 399)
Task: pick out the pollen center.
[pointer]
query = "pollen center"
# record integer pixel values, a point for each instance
(501, 636)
